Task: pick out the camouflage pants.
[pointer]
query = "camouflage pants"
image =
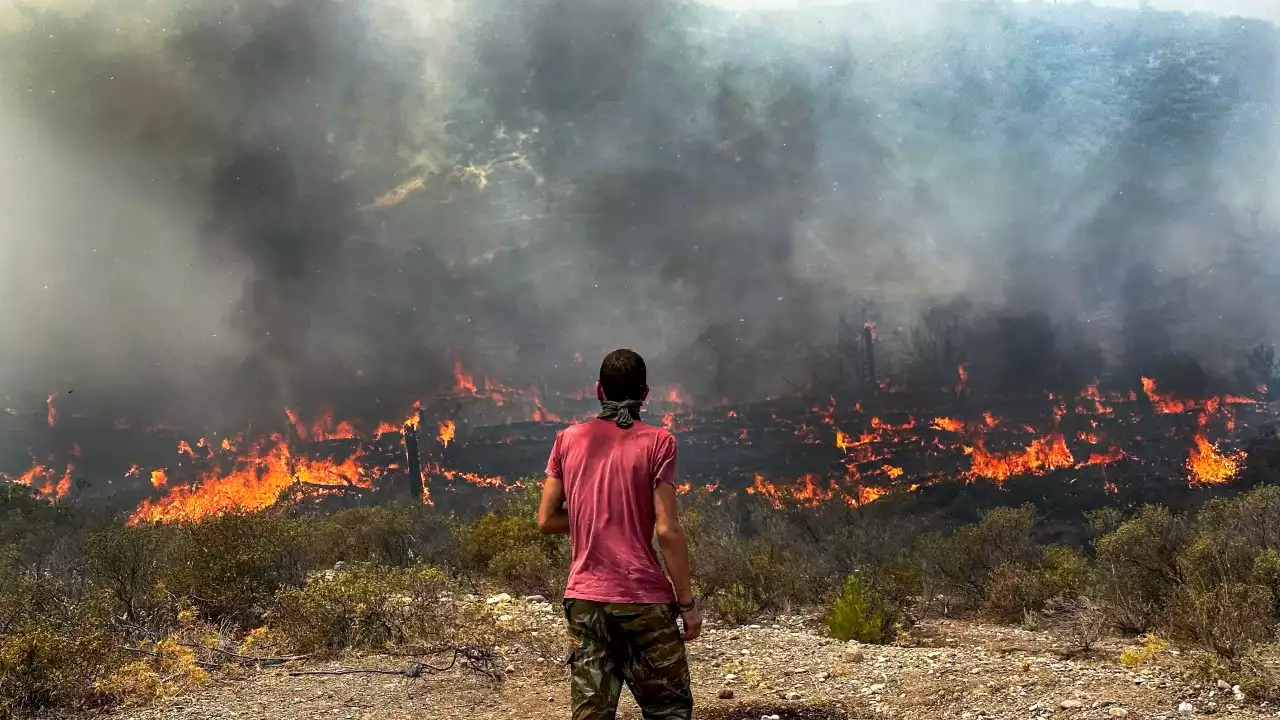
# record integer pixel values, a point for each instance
(636, 644)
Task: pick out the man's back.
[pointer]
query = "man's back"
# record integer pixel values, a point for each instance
(609, 475)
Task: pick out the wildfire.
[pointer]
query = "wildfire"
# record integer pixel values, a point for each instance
(1091, 402)
(447, 432)
(842, 440)
(1041, 456)
(674, 395)
(51, 413)
(185, 449)
(256, 482)
(1165, 404)
(159, 478)
(462, 382)
(42, 478)
(1210, 466)
(322, 428)
(947, 424)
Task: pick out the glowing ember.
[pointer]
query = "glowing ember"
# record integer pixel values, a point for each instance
(447, 432)
(159, 478)
(51, 413)
(842, 440)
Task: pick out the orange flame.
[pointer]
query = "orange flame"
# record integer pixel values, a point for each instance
(947, 424)
(1210, 466)
(447, 432)
(674, 395)
(1044, 454)
(462, 382)
(184, 448)
(159, 478)
(256, 482)
(51, 414)
(842, 440)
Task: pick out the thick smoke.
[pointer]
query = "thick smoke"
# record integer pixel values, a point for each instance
(218, 209)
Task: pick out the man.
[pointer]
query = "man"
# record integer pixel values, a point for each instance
(617, 476)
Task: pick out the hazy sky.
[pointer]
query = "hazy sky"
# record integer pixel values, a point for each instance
(1269, 9)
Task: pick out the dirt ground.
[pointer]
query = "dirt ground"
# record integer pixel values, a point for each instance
(950, 670)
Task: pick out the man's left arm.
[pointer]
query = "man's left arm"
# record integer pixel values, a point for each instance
(553, 518)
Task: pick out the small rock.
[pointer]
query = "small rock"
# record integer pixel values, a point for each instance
(1186, 708)
(1070, 704)
(793, 695)
(854, 656)
(730, 677)
(1118, 712)
(505, 618)
(824, 675)
(1223, 684)
(534, 599)
(511, 669)
(1237, 693)
(876, 688)
(726, 694)
(499, 598)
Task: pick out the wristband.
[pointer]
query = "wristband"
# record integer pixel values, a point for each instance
(686, 608)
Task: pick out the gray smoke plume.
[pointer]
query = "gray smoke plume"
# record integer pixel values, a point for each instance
(218, 209)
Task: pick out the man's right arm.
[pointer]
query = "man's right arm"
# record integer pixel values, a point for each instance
(675, 553)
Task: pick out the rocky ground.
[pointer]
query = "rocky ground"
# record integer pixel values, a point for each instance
(785, 669)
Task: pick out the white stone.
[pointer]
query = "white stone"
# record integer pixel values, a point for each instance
(730, 677)
(499, 598)
(1186, 708)
(1237, 693)
(1118, 712)
(793, 695)
(511, 669)
(1070, 704)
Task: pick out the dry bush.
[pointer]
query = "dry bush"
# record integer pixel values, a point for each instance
(1228, 619)
(53, 653)
(366, 607)
(1077, 620)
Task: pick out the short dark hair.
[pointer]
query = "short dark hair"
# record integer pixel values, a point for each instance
(623, 376)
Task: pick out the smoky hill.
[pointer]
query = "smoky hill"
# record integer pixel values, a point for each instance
(948, 455)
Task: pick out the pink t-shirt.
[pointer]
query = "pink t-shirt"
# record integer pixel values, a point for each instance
(609, 475)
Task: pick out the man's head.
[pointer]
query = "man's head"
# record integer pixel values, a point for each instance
(623, 377)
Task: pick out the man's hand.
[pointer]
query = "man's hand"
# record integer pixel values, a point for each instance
(692, 621)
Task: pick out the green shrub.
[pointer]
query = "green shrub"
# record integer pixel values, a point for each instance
(859, 614)
(232, 566)
(54, 654)
(1138, 567)
(1228, 619)
(736, 604)
(365, 606)
(506, 546)
(962, 565)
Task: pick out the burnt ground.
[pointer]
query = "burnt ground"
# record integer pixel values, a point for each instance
(948, 670)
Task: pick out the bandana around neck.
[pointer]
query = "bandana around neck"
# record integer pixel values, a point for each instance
(622, 413)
